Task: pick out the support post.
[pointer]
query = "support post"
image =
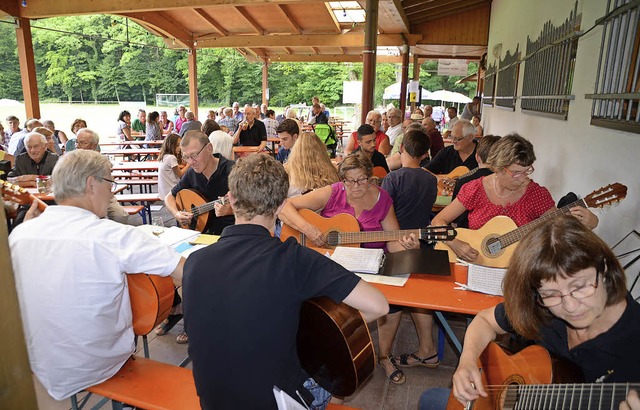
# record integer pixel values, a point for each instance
(27, 68)
(405, 79)
(265, 82)
(416, 77)
(369, 57)
(193, 81)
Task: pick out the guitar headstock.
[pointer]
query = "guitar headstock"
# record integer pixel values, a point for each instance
(607, 195)
(15, 193)
(438, 233)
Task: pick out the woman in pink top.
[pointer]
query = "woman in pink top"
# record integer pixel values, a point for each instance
(508, 191)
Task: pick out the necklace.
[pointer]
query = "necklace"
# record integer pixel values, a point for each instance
(496, 190)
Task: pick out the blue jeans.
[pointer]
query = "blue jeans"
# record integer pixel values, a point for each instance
(434, 399)
(321, 396)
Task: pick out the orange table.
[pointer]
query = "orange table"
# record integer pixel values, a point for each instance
(437, 293)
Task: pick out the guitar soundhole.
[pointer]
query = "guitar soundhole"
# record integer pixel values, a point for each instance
(333, 238)
(492, 247)
(509, 396)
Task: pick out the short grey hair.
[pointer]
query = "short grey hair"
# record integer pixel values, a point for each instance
(34, 135)
(228, 111)
(95, 138)
(394, 111)
(190, 115)
(467, 128)
(72, 170)
(194, 135)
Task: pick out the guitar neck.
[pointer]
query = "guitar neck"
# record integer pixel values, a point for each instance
(376, 236)
(598, 396)
(208, 207)
(517, 234)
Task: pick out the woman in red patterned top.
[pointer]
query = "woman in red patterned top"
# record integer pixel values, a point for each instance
(509, 191)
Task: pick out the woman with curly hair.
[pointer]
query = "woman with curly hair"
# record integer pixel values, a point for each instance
(309, 166)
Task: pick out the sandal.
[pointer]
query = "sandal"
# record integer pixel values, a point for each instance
(396, 376)
(403, 361)
(182, 338)
(168, 324)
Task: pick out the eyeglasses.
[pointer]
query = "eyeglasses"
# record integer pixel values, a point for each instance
(351, 182)
(111, 181)
(193, 157)
(457, 140)
(581, 292)
(518, 174)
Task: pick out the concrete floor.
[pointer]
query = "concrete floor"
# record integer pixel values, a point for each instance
(376, 393)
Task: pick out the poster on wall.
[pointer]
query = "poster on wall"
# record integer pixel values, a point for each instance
(452, 67)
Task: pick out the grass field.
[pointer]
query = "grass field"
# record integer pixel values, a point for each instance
(101, 118)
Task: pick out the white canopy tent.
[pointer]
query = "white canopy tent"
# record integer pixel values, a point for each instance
(449, 96)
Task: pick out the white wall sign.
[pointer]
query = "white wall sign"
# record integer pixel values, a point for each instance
(452, 67)
(352, 92)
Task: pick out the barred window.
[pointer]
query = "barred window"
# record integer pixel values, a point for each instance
(616, 99)
(489, 85)
(507, 81)
(548, 71)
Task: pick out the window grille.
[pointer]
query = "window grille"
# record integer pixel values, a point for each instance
(548, 71)
(616, 100)
(489, 85)
(507, 81)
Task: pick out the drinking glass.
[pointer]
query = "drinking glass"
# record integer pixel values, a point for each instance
(157, 225)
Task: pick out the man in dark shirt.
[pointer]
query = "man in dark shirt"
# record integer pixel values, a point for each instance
(36, 161)
(437, 144)
(461, 153)
(191, 124)
(288, 132)
(208, 175)
(319, 117)
(250, 132)
(242, 299)
(367, 146)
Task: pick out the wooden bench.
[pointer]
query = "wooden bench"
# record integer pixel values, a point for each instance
(147, 384)
(144, 199)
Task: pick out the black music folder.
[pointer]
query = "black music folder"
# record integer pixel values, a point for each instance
(421, 261)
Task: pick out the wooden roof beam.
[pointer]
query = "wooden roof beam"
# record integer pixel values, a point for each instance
(328, 58)
(212, 21)
(242, 11)
(310, 40)
(10, 8)
(428, 5)
(165, 26)
(53, 8)
(336, 23)
(289, 19)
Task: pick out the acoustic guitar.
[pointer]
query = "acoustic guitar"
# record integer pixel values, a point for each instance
(446, 182)
(344, 230)
(19, 195)
(190, 200)
(529, 380)
(334, 345)
(495, 239)
(151, 300)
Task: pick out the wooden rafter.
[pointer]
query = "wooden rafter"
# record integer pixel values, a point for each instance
(289, 19)
(288, 50)
(315, 50)
(242, 11)
(212, 21)
(336, 23)
(164, 25)
(467, 6)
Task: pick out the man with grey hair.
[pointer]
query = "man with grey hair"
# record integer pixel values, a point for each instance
(394, 116)
(77, 317)
(437, 143)
(237, 114)
(89, 140)
(16, 145)
(461, 153)
(36, 161)
(191, 124)
(229, 120)
(374, 118)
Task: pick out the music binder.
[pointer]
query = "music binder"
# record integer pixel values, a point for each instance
(420, 261)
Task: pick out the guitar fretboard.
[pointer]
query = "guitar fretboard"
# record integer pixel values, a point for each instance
(594, 396)
(376, 236)
(208, 207)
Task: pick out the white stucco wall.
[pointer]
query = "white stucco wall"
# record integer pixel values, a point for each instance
(571, 155)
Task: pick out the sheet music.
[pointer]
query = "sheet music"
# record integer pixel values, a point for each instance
(286, 402)
(363, 260)
(485, 279)
(398, 280)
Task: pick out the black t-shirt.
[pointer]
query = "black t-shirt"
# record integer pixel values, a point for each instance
(413, 191)
(252, 137)
(216, 186)
(448, 159)
(377, 159)
(242, 299)
(610, 357)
